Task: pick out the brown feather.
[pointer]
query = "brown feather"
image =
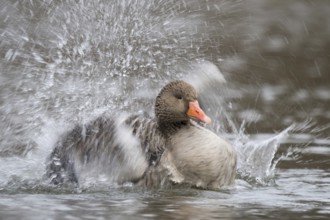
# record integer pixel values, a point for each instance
(155, 151)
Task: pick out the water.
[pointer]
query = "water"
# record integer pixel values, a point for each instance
(261, 68)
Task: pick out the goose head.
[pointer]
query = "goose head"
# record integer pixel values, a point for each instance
(176, 104)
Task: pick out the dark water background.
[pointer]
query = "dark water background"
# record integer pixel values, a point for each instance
(63, 62)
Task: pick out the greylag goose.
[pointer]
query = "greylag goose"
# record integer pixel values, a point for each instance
(170, 148)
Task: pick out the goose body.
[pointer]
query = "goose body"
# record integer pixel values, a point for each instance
(170, 148)
(202, 158)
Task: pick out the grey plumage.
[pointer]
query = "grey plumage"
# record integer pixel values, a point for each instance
(150, 152)
(101, 140)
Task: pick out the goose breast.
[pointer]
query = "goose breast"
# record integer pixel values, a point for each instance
(202, 158)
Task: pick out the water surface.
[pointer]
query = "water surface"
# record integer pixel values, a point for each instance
(64, 62)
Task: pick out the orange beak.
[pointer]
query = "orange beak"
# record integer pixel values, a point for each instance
(196, 112)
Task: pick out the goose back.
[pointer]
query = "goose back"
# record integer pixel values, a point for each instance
(122, 149)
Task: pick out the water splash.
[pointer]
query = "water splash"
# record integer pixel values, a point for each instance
(256, 161)
(67, 61)
(64, 59)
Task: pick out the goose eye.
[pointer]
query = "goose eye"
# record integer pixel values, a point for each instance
(179, 97)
